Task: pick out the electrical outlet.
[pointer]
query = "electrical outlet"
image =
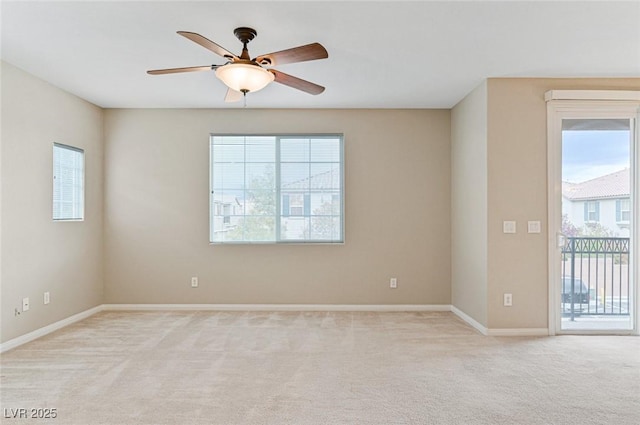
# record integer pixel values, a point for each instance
(25, 304)
(47, 298)
(393, 283)
(194, 282)
(508, 300)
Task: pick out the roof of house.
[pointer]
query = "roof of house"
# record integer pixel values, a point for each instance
(614, 185)
(325, 180)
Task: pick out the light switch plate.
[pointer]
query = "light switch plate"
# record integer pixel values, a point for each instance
(508, 226)
(533, 226)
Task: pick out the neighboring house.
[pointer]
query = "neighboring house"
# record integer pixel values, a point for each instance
(226, 211)
(317, 196)
(604, 200)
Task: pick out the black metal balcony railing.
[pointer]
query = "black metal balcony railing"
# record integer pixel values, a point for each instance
(595, 277)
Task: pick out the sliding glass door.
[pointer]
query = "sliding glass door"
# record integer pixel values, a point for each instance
(593, 171)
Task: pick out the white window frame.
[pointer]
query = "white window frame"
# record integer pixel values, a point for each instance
(78, 214)
(593, 104)
(278, 213)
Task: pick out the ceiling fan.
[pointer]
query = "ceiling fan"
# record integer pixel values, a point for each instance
(243, 75)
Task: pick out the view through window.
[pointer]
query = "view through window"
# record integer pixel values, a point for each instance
(68, 183)
(596, 220)
(276, 189)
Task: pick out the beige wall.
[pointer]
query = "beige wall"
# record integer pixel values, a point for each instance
(397, 211)
(517, 181)
(410, 174)
(39, 255)
(469, 205)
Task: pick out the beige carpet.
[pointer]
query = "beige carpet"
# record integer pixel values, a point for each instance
(317, 368)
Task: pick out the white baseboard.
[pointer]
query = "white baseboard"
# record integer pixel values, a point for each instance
(23, 339)
(470, 320)
(499, 332)
(518, 332)
(276, 307)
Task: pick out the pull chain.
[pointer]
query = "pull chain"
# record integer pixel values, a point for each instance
(244, 97)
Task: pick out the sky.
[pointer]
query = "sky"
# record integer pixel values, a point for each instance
(590, 154)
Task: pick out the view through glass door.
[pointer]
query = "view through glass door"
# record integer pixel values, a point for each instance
(597, 225)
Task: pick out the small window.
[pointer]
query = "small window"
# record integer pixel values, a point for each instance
(592, 211)
(68, 183)
(280, 188)
(623, 210)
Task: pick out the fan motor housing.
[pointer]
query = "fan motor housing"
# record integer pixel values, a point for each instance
(245, 34)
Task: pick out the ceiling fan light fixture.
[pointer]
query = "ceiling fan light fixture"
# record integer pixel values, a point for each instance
(244, 77)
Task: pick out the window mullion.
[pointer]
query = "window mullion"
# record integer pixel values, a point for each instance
(244, 189)
(304, 201)
(342, 191)
(278, 191)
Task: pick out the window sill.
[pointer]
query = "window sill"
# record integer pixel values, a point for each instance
(275, 243)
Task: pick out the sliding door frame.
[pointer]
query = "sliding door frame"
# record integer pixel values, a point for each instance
(587, 104)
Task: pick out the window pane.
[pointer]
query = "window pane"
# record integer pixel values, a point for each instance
(261, 149)
(326, 203)
(325, 228)
(294, 203)
(325, 176)
(261, 176)
(261, 202)
(230, 234)
(229, 140)
(294, 176)
(258, 228)
(227, 209)
(228, 153)
(294, 150)
(228, 176)
(325, 150)
(294, 228)
(68, 183)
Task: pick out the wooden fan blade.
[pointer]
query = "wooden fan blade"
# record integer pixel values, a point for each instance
(207, 44)
(308, 52)
(233, 96)
(177, 70)
(296, 83)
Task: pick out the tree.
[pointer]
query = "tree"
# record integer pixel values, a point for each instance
(322, 226)
(260, 206)
(597, 230)
(568, 228)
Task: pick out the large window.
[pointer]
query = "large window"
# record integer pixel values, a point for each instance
(276, 189)
(68, 183)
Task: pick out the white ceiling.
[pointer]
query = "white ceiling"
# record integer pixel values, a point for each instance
(382, 54)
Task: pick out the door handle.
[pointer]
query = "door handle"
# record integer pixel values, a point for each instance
(561, 239)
